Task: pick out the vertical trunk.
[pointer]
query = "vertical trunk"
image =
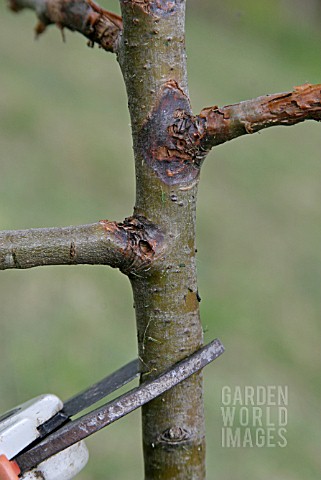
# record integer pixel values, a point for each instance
(152, 58)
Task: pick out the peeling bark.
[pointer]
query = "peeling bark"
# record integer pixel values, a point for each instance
(223, 124)
(84, 16)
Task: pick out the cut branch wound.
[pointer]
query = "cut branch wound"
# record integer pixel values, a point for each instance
(143, 242)
(169, 140)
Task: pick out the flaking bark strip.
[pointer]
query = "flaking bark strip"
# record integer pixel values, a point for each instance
(223, 124)
(170, 139)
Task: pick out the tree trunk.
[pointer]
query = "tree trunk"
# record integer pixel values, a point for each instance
(152, 58)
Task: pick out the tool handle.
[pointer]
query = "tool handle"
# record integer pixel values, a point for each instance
(9, 470)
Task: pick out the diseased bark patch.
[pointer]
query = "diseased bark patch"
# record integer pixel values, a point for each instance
(142, 240)
(170, 139)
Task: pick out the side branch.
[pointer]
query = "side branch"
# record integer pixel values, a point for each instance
(84, 16)
(219, 125)
(129, 246)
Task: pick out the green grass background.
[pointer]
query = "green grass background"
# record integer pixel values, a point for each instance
(66, 158)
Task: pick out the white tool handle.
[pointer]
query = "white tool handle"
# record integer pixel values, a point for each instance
(19, 428)
(62, 466)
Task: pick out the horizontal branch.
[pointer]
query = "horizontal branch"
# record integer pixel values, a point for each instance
(84, 16)
(219, 125)
(129, 246)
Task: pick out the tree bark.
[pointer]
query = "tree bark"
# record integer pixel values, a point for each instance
(129, 245)
(284, 109)
(152, 58)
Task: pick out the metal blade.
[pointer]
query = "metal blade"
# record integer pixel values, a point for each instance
(90, 423)
(91, 395)
(101, 389)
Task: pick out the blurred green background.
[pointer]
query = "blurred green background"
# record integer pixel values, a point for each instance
(66, 158)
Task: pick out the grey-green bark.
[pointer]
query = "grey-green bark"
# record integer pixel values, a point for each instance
(152, 58)
(155, 247)
(125, 245)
